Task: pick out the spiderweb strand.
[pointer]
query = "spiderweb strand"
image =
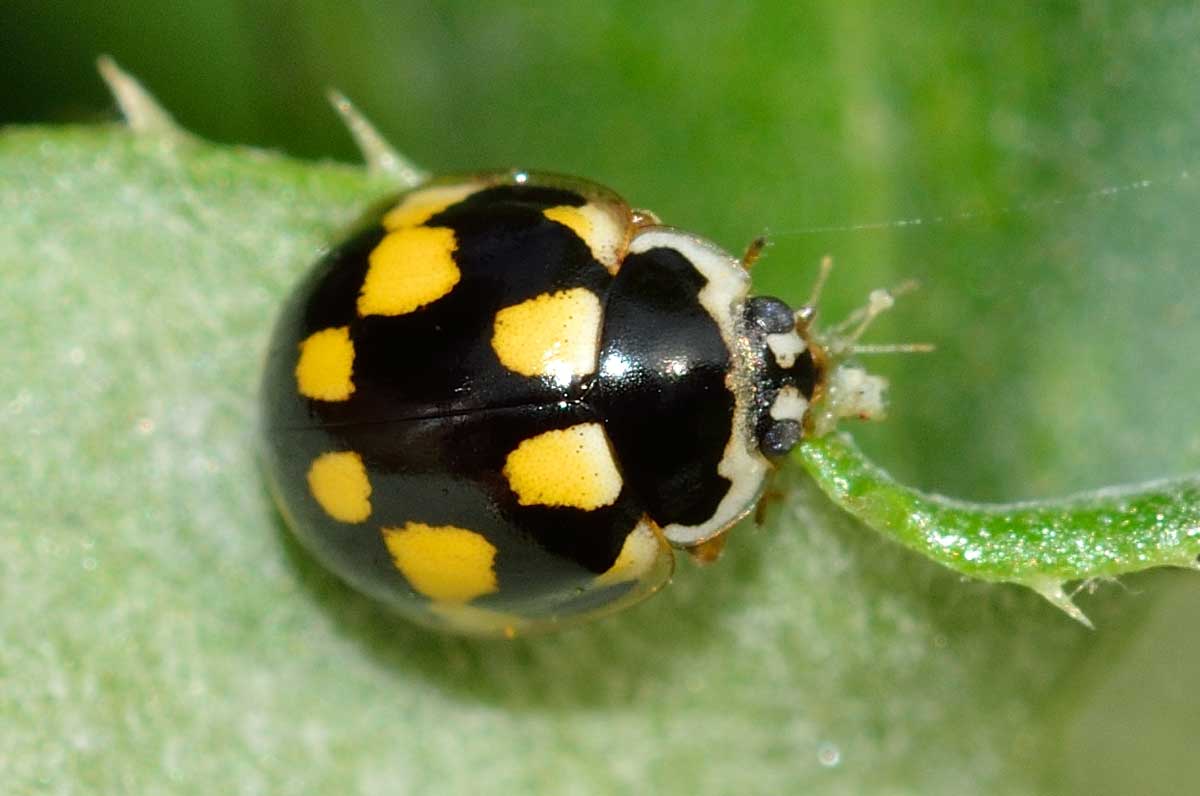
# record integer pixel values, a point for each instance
(1029, 207)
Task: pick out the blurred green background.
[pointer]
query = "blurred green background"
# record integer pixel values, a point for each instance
(1046, 148)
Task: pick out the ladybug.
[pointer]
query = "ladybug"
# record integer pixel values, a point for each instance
(502, 402)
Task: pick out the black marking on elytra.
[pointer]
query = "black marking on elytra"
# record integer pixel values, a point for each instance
(530, 197)
(661, 387)
(438, 360)
(434, 415)
(448, 471)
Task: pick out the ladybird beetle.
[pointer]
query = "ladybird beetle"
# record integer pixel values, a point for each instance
(502, 401)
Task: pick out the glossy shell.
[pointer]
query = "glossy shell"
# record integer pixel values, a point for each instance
(498, 403)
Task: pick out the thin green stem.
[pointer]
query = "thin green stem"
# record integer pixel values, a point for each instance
(1042, 544)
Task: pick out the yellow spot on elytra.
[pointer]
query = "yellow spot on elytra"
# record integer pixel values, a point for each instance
(556, 335)
(605, 234)
(566, 467)
(443, 562)
(638, 555)
(339, 482)
(410, 268)
(572, 217)
(325, 364)
(418, 207)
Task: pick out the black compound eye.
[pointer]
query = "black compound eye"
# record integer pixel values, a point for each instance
(780, 437)
(771, 315)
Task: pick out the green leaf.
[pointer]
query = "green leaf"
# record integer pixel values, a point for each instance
(1039, 544)
(162, 631)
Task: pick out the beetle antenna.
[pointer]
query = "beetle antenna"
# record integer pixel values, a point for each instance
(850, 391)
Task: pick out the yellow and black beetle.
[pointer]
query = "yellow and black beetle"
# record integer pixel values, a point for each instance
(502, 401)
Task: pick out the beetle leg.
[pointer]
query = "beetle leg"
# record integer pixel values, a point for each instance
(754, 251)
(710, 550)
(770, 496)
